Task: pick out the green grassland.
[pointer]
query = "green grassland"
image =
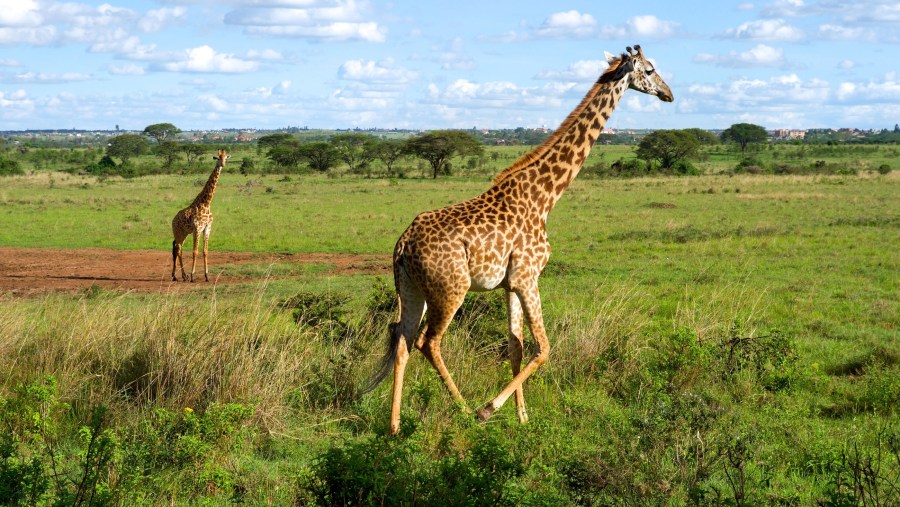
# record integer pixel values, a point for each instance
(716, 340)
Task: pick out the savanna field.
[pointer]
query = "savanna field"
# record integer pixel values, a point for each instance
(719, 339)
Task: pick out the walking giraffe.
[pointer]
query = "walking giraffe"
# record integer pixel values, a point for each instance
(196, 219)
(499, 240)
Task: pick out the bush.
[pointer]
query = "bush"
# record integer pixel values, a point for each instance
(884, 169)
(10, 167)
(685, 168)
(751, 165)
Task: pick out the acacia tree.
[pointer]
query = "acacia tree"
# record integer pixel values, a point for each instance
(161, 131)
(169, 152)
(270, 141)
(668, 147)
(389, 151)
(354, 149)
(439, 146)
(193, 152)
(744, 134)
(126, 146)
(320, 155)
(702, 135)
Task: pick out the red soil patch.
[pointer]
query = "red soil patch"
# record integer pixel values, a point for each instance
(26, 271)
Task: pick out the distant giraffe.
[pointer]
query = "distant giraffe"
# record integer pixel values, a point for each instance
(498, 239)
(196, 219)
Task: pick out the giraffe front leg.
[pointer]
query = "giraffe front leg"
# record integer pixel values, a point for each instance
(516, 346)
(531, 302)
(194, 257)
(206, 251)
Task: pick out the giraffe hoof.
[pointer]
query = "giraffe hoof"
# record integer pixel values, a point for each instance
(483, 414)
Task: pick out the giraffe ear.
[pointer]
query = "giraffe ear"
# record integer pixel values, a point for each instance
(609, 56)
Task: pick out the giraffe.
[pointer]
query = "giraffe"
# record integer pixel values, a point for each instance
(196, 219)
(499, 240)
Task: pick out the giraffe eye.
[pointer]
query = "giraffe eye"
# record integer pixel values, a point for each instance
(650, 71)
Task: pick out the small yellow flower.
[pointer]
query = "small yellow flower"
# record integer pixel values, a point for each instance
(188, 410)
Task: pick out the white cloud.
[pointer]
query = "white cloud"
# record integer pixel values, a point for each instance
(385, 71)
(838, 32)
(766, 30)
(156, 20)
(759, 56)
(885, 90)
(846, 64)
(205, 59)
(744, 7)
(45, 78)
(20, 13)
(9, 62)
(38, 36)
(265, 54)
(639, 104)
(579, 71)
(786, 8)
(640, 27)
(338, 20)
(566, 24)
(126, 69)
(16, 105)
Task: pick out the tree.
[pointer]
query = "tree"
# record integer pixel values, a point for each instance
(126, 146)
(389, 152)
(169, 152)
(439, 146)
(193, 152)
(285, 155)
(320, 155)
(270, 141)
(668, 147)
(703, 135)
(160, 131)
(354, 149)
(744, 134)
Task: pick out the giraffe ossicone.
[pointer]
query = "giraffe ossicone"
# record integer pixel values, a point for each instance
(499, 240)
(196, 220)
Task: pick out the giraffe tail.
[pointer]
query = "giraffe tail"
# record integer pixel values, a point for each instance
(174, 249)
(387, 362)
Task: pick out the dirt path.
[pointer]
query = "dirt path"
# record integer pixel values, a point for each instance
(27, 271)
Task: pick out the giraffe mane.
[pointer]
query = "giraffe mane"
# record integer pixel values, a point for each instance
(527, 159)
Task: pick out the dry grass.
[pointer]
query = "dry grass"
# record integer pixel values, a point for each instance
(172, 351)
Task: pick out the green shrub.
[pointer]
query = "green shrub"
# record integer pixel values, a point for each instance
(10, 167)
(884, 169)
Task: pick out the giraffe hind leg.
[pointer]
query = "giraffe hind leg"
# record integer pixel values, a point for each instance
(439, 317)
(411, 310)
(206, 252)
(514, 310)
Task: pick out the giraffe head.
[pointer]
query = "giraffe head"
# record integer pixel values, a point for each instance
(221, 156)
(640, 73)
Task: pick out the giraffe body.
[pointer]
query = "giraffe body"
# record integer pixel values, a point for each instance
(499, 240)
(196, 220)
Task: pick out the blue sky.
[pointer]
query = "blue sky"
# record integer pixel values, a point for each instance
(419, 64)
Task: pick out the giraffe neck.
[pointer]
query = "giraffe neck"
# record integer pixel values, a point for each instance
(205, 196)
(546, 172)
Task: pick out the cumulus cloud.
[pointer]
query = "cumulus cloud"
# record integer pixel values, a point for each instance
(579, 71)
(641, 27)
(45, 78)
(20, 13)
(566, 24)
(206, 59)
(886, 89)
(759, 56)
(765, 30)
(838, 32)
(385, 71)
(337, 20)
(576, 25)
(156, 20)
(126, 69)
